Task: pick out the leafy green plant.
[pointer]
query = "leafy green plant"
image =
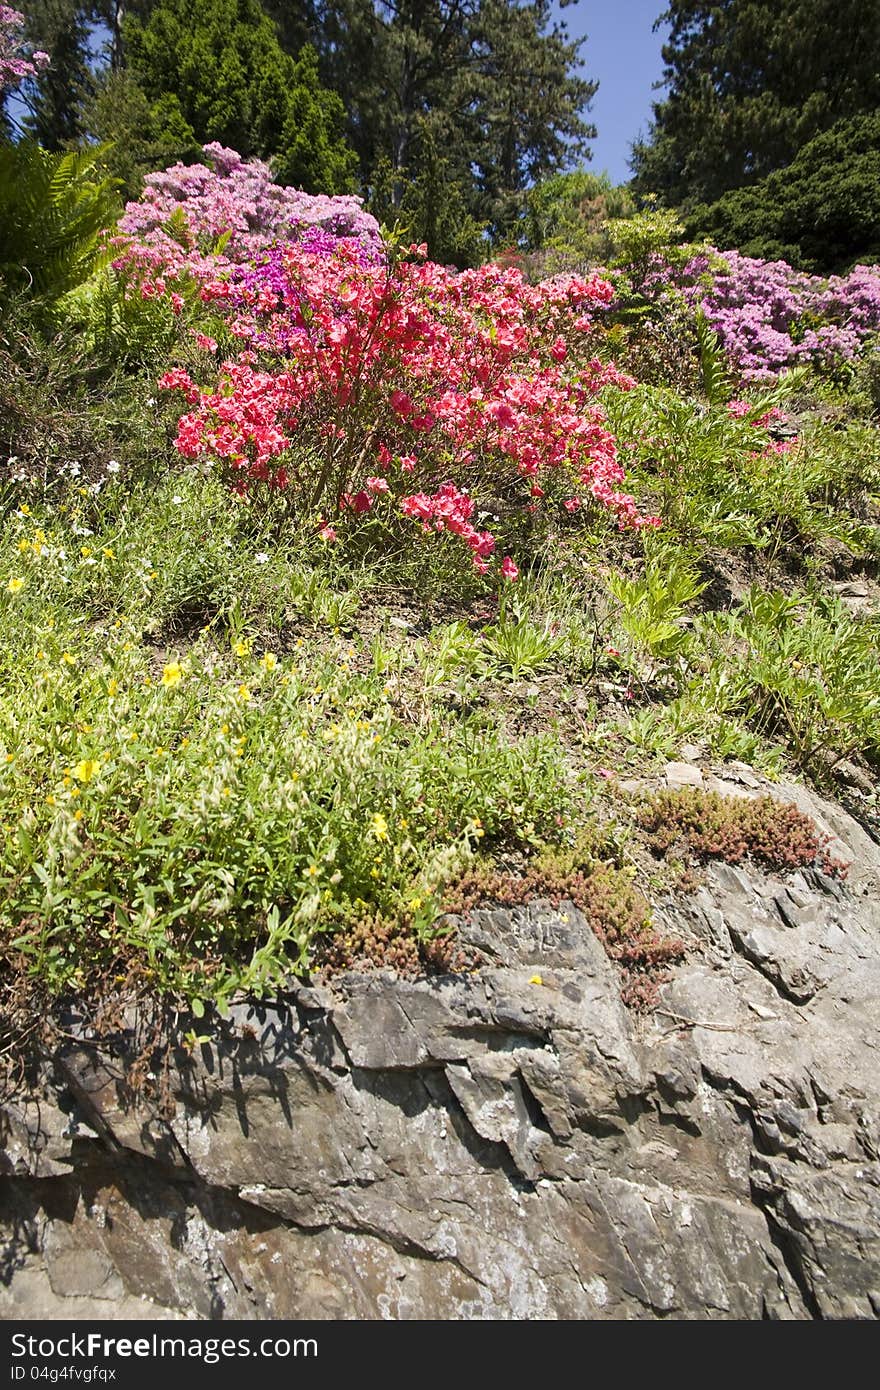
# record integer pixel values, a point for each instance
(804, 671)
(516, 646)
(53, 209)
(713, 363)
(452, 651)
(653, 606)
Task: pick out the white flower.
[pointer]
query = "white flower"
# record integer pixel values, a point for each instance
(228, 542)
(112, 466)
(177, 499)
(262, 558)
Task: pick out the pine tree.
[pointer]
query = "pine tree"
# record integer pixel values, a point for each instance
(462, 102)
(54, 97)
(750, 83)
(221, 63)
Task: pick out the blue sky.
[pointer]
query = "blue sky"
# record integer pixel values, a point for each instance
(623, 55)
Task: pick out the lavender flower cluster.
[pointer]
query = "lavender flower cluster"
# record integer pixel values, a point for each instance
(229, 197)
(17, 61)
(770, 317)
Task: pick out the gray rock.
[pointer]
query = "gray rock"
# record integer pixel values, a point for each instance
(512, 1143)
(692, 752)
(682, 775)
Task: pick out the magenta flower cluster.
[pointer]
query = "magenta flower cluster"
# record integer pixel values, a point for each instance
(770, 317)
(185, 211)
(17, 60)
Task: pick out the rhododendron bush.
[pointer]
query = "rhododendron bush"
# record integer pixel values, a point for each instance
(394, 386)
(17, 59)
(200, 218)
(770, 317)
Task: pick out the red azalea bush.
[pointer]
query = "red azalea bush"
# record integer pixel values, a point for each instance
(422, 391)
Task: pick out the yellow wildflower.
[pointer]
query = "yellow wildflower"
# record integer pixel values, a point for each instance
(86, 769)
(269, 661)
(379, 826)
(244, 694)
(14, 585)
(242, 648)
(172, 674)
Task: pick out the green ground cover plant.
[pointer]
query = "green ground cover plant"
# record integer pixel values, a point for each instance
(242, 737)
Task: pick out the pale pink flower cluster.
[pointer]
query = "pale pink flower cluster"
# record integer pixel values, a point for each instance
(17, 60)
(202, 218)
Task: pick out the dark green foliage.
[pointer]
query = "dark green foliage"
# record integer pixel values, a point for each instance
(54, 97)
(750, 83)
(821, 213)
(566, 216)
(454, 108)
(139, 136)
(219, 70)
(53, 209)
(430, 200)
(531, 103)
(312, 153)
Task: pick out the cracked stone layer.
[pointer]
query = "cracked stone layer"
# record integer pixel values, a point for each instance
(487, 1147)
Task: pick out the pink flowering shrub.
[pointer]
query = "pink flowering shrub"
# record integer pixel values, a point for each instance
(419, 389)
(185, 211)
(770, 317)
(17, 60)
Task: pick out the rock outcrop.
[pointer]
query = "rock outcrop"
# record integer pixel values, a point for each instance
(509, 1144)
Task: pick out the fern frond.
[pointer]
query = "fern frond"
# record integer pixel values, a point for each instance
(53, 209)
(713, 364)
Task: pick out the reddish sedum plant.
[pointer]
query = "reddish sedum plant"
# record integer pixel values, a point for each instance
(615, 908)
(774, 834)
